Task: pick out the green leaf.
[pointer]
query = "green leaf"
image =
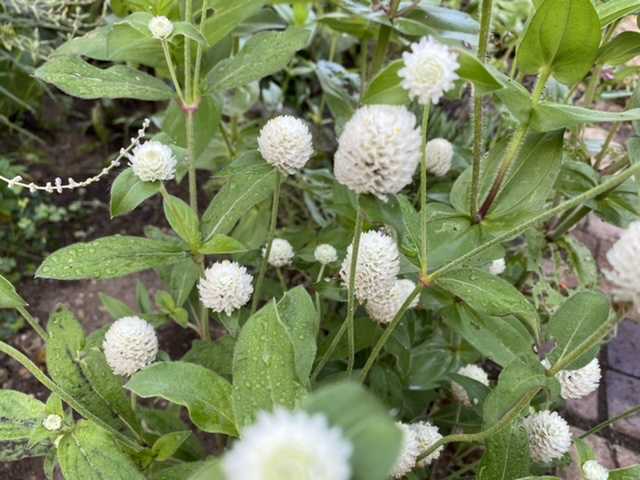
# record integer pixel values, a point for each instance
(210, 470)
(581, 259)
(507, 455)
(181, 471)
(576, 320)
(183, 219)
(476, 72)
(216, 356)
(89, 453)
(109, 257)
(9, 298)
(563, 37)
(547, 116)
(385, 87)
(626, 473)
(116, 308)
(164, 447)
(228, 15)
(20, 414)
(264, 54)
(222, 244)
(128, 191)
(364, 421)
(187, 30)
(489, 294)
(205, 123)
(264, 368)
(620, 50)
(180, 279)
(614, 10)
(76, 77)
(206, 395)
(339, 86)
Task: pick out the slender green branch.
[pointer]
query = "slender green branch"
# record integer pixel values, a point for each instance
(33, 323)
(384, 34)
(351, 301)
(424, 263)
(317, 294)
(172, 70)
(196, 75)
(193, 186)
(629, 413)
(607, 142)
(568, 222)
(188, 82)
(227, 142)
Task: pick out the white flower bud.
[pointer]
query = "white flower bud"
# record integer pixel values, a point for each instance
(225, 287)
(325, 254)
(53, 423)
(408, 454)
(549, 436)
(285, 142)
(129, 345)
(160, 27)
(153, 161)
(426, 435)
(497, 267)
(383, 309)
(439, 156)
(592, 470)
(474, 372)
(281, 253)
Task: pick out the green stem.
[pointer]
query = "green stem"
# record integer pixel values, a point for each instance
(188, 16)
(196, 75)
(317, 294)
(387, 332)
(265, 257)
(605, 146)
(283, 283)
(568, 222)
(351, 300)
(64, 395)
(384, 34)
(227, 142)
(629, 413)
(33, 323)
(172, 70)
(424, 263)
(204, 326)
(193, 187)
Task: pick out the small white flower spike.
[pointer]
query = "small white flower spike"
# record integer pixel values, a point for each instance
(281, 253)
(285, 142)
(383, 309)
(592, 470)
(53, 423)
(408, 454)
(549, 436)
(129, 345)
(160, 27)
(225, 287)
(153, 161)
(427, 435)
(439, 156)
(624, 258)
(475, 373)
(325, 254)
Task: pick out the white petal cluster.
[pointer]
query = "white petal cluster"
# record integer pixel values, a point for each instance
(384, 308)
(575, 384)
(429, 70)
(129, 345)
(475, 373)
(439, 156)
(377, 266)
(325, 254)
(426, 435)
(408, 453)
(281, 253)
(160, 27)
(497, 267)
(225, 287)
(624, 258)
(289, 445)
(592, 470)
(153, 161)
(285, 142)
(549, 436)
(378, 151)
(53, 423)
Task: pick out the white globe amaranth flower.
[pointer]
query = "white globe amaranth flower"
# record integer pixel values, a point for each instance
(378, 151)
(426, 434)
(225, 287)
(129, 345)
(281, 253)
(475, 373)
(549, 436)
(377, 266)
(153, 161)
(429, 70)
(624, 258)
(52, 422)
(575, 384)
(325, 254)
(160, 27)
(285, 142)
(289, 445)
(497, 267)
(439, 156)
(409, 452)
(384, 308)
(592, 470)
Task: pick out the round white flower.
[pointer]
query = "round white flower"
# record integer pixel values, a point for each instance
(160, 27)
(426, 435)
(575, 384)
(475, 373)
(384, 308)
(225, 287)
(153, 161)
(592, 470)
(429, 70)
(549, 436)
(289, 445)
(624, 258)
(408, 453)
(439, 156)
(285, 142)
(129, 345)
(53, 423)
(325, 254)
(377, 266)
(378, 151)
(498, 266)
(281, 253)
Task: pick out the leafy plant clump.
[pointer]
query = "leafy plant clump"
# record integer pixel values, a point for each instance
(379, 290)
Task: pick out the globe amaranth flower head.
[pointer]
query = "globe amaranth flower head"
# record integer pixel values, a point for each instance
(439, 156)
(325, 254)
(409, 452)
(160, 27)
(129, 345)
(498, 266)
(592, 470)
(52, 423)
(225, 287)
(426, 434)
(475, 373)
(285, 142)
(377, 266)
(384, 308)
(289, 445)
(429, 70)
(624, 258)
(549, 436)
(153, 161)
(378, 151)
(575, 384)
(281, 253)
